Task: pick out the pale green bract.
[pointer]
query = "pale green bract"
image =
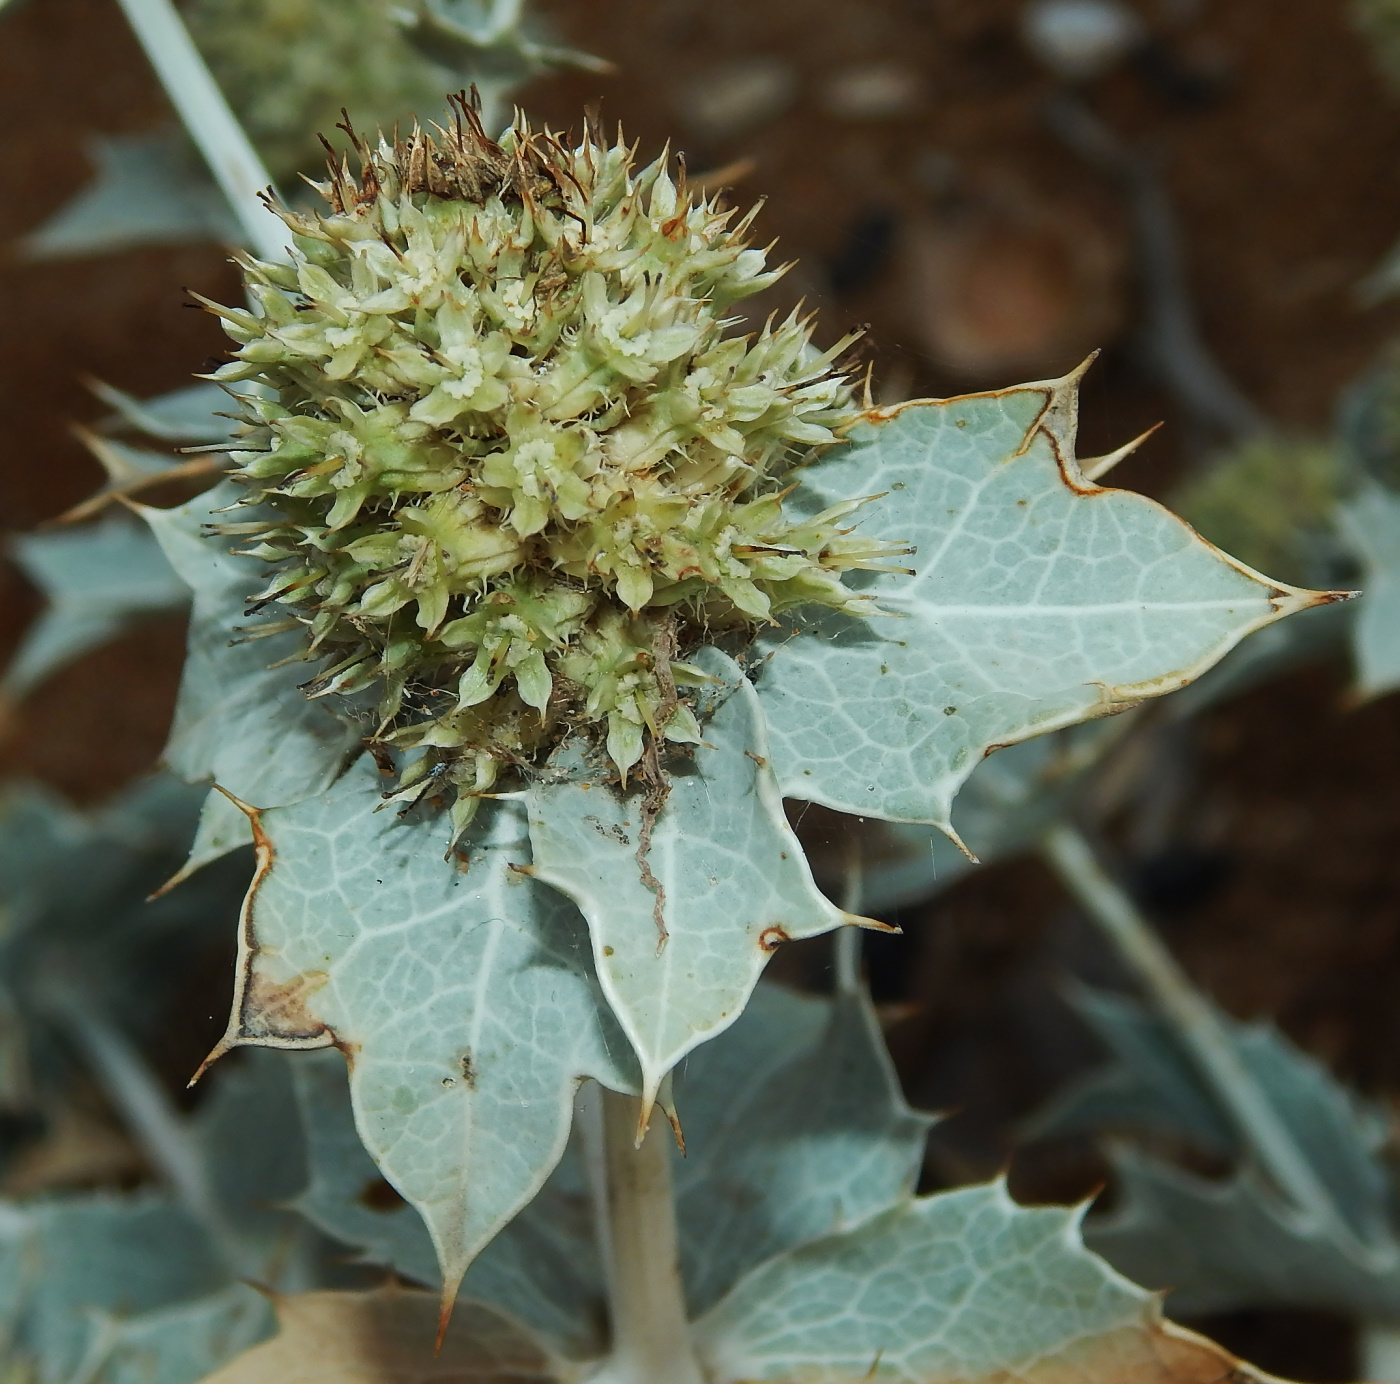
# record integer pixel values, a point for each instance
(1041, 599)
(1023, 617)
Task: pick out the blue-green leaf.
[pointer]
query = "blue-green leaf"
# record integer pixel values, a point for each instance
(461, 990)
(1371, 521)
(97, 581)
(678, 954)
(1040, 599)
(241, 721)
(965, 1286)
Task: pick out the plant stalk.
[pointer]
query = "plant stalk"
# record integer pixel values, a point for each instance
(211, 124)
(650, 1330)
(1195, 1021)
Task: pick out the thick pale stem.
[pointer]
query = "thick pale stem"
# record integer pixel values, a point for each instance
(650, 1333)
(1196, 1023)
(211, 124)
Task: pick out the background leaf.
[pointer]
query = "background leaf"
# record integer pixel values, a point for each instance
(1371, 521)
(795, 1127)
(1222, 1244)
(149, 189)
(97, 582)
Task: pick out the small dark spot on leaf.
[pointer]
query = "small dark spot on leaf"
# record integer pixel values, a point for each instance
(607, 951)
(468, 1070)
(379, 1196)
(950, 711)
(771, 938)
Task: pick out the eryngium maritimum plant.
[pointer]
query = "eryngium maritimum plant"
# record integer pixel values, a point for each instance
(512, 458)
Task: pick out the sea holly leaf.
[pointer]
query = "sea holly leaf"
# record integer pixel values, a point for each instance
(1039, 599)
(461, 991)
(192, 413)
(1370, 520)
(1004, 808)
(1155, 1086)
(682, 923)
(337, 1338)
(240, 720)
(97, 582)
(795, 1127)
(964, 1286)
(542, 1269)
(344, 1193)
(67, 1264)
(149, 189)
(1222, 1244)
(179, 1344)
(1225, 1245)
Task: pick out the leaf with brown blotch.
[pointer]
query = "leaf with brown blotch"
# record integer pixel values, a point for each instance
(386, 1337)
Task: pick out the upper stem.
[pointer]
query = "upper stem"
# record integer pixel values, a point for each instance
(650, 1330)
(1195, 1020)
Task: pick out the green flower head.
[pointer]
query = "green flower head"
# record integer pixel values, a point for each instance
(508, 456)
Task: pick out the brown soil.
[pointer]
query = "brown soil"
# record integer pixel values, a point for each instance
(904, 153)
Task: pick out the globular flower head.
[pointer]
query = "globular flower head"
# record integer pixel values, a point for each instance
(509, 457)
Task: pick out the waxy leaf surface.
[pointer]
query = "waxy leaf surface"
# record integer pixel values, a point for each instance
(731, 882)
(542, 1269)
(795, 1127)
(240, 721)
(959, 1288)
(1039, 600)
(462, 993)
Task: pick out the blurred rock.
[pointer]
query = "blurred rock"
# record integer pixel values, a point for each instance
(1080, 39)
(1011, 285)
(734, 97)
(872, 91)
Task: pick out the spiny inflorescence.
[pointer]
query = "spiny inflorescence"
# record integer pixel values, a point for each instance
(506, 458)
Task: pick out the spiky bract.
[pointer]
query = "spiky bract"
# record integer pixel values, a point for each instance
(511, 462)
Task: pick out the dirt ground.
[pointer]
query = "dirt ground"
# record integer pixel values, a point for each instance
(909, 163)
